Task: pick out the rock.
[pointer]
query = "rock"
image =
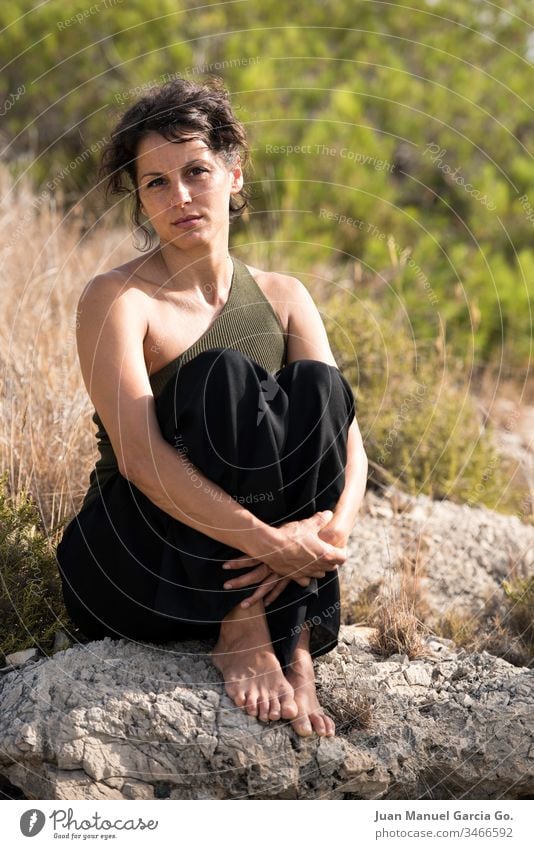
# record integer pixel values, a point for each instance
(61, 642)
(416, 673)
(465, 553)
(19, 658)
(399, 658)
(120, 720)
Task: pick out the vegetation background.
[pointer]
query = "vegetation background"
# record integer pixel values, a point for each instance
(392, 172)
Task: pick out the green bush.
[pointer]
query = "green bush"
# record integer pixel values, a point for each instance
(31, 603)
(421, 428)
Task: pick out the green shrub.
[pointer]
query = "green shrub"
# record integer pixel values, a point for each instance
(420, 425)
(31, 603)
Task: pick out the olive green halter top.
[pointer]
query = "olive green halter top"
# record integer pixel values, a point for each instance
(247, 323)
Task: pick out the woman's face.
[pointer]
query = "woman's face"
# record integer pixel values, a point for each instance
(177, 180)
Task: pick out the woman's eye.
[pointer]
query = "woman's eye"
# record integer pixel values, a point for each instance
(153, 182)
(198, 168)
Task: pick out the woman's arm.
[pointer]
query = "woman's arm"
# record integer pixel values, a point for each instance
(338, 530)
(110, 331)
(308, 339)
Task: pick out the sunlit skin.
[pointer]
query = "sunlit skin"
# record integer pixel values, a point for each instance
(187, 178)
(176, 180)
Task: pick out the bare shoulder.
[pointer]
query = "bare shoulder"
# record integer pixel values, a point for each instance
(108, 303)
(274, 282)
(283, 291)
(113, 282)
(306, 333)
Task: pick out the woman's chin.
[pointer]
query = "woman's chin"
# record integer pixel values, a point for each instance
(189, 237)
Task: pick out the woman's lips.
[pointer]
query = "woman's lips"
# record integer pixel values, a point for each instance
(188, 222)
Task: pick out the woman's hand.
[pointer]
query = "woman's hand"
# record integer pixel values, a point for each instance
(271, 584)
(321, 525)
(300, 552)
(336, 532)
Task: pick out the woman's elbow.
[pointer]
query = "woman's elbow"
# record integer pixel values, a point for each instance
(138, 466)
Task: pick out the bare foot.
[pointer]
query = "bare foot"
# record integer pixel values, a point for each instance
(253, 677)
(300, 674)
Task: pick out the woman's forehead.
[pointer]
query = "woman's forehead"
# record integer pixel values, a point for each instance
(155, 147)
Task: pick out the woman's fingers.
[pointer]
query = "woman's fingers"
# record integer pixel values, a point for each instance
(241, 562)
(251, 577)
(319, 573)
(275, 592)
(265, 587)
(303, 582)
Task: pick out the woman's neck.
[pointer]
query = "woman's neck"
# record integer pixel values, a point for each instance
(207, 276)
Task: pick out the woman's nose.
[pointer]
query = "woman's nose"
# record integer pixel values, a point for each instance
(179, 193)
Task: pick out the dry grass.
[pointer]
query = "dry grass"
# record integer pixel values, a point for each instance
(46, 434)
(461, 629)
(402, 617)
(396, 607)
(351, 710)
(361, 611)
(507, 633)
(398, 630)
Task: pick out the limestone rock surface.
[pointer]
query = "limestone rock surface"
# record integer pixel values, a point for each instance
(465, 552)
(120, 720)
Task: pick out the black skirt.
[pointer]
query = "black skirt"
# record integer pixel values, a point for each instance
(277, 444)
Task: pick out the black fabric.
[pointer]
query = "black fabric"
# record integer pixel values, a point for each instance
(278, 444)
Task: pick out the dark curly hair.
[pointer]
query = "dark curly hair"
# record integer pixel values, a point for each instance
(177, 109)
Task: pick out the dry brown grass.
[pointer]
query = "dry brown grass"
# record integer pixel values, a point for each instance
(47, 444)
(361, 611)
(461, 629)
(350, 709)
(398, 621)
(398, 610)
(395, 607)
(398, 630)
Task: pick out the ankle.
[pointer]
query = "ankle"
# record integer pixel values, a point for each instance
(304, 641)
(245, 625)
(242, 614)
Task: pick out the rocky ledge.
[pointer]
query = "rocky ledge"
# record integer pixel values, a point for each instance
(119, 720)
(463, 553)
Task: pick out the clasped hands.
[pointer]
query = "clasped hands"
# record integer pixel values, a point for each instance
(308, 548)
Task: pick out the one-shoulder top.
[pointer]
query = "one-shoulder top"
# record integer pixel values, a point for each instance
(247, 323)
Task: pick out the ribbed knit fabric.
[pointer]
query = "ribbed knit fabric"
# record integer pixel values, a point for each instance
(246, 323)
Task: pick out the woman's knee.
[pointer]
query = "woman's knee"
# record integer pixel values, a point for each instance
(207, 367)
(197, 396)
(315, 373)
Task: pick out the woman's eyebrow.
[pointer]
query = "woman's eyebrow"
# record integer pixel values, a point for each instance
(159, 173)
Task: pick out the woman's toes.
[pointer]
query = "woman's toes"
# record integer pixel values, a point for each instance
(263, 706)
(288, 707)
(239, 697)
(251, 706)
(330, 726)
(275, 710)
(318, 722)
(302, 726)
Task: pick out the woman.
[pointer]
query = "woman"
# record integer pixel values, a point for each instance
(226, 431)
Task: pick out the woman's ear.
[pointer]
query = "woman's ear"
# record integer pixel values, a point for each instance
(237, 175)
